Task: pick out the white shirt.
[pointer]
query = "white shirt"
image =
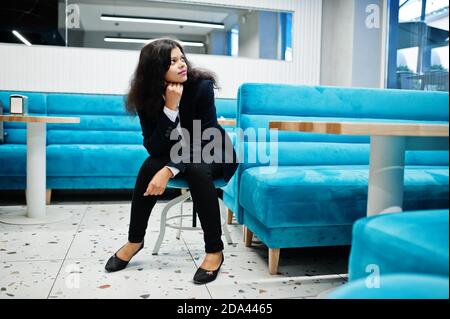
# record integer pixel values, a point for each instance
(172, 115)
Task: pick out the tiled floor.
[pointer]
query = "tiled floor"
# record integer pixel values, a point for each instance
(66, 260)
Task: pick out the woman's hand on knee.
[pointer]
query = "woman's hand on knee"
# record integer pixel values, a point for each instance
(158, 183)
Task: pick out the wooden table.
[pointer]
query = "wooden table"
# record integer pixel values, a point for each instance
(227, 122)
(36, 170)
(388, 143)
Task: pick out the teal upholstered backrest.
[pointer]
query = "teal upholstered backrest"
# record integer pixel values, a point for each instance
(259, 103)
(226, 108)
(321, 101)
(15, 133)
(103, 120)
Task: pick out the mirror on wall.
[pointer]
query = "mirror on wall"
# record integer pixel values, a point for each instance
(130, 24)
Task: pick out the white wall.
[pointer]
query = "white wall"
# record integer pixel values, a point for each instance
(60, 69)
(337, 42)
(367, 43)
(353, 50)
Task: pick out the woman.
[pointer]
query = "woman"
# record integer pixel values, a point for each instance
(169, 94)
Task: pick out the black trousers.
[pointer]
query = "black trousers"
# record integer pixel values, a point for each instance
(199, 177)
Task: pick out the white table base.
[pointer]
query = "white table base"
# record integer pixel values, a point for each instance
(387, 166)
(17, 215)
(35, 212)
(36, 169)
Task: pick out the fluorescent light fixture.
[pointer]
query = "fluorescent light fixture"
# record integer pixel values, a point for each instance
(21, 38)
(162, 21)
(137, 40)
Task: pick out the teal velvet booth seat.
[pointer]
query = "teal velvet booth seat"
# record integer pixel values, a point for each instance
(395, 286)
(402, 255)
(103, 151)
(306, 189)
(411, 242)
(227, 109)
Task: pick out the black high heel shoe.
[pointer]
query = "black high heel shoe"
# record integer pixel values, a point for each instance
(115, 263)
(203, 276)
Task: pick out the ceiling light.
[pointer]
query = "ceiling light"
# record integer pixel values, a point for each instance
(162, 21)
(138, 40)
(21, 38)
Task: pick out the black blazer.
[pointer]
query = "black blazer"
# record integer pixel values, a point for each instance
(197, 103)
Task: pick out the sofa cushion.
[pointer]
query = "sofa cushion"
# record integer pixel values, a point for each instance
(395, 286)
(103, 120)
(14, 134)
(420, 238)
(289, 196)
(97, 129)
(93, 182)
(13, 159)
(322, 153)
(101, 123)
(93, 137)
(89, 104)
(226, 108)
(95, 160)
(323, 101)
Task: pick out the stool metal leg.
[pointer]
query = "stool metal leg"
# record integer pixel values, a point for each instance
(162, 228)
(179, 200)
(181, 221)
(223, 220)
(183, 191)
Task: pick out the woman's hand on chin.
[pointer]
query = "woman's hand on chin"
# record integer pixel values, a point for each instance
(173, 94)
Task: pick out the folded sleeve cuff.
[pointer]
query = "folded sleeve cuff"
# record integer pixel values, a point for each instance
(180, 166)
(171, 114)
(174, 170)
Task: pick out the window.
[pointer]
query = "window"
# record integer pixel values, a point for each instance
(418, 45)
(234, 41)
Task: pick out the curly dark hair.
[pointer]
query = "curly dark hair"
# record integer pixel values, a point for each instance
(147, 84)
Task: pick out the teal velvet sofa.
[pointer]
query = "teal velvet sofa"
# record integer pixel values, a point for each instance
(405, 255)
(228, 109)
(413, 242)
(395, 286)
(318, 187)
(103, 151)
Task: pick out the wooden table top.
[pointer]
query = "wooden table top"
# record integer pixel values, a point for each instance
(227, 122)
(61, 119)
(364, 128)
(38, 119)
